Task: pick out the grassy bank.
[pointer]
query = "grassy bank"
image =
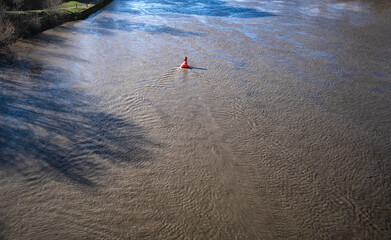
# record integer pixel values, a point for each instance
(74, 4)
(24, 24)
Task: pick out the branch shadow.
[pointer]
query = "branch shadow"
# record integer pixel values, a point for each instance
(125, 25)
(103, 26)
(68, 28)
(50, 129)
(45, 38)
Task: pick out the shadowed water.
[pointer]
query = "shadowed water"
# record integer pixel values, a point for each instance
(279, 130)
(58, 126)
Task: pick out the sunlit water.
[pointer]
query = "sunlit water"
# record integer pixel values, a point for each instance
(280, 130)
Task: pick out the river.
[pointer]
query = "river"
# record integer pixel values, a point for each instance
(281, 128)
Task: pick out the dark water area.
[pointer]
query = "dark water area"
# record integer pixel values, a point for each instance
(281, 128)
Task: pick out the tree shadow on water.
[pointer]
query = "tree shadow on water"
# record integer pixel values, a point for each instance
(58, 131)
(125, 25)
(104, 26)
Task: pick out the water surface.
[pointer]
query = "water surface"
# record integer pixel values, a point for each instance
(280, 130)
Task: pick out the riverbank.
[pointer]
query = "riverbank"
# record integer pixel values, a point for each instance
(25, 24)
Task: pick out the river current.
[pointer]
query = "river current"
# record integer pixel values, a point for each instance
(281, 128)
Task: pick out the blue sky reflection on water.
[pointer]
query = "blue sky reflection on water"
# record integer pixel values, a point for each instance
(214, 8)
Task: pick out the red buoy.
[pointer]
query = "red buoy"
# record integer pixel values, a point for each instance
(184, 64)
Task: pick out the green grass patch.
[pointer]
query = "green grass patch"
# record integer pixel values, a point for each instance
(73, 4)
(72, 10)
(48, 11)
(25, 12)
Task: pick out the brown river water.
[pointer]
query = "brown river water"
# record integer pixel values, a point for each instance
(280, 130)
